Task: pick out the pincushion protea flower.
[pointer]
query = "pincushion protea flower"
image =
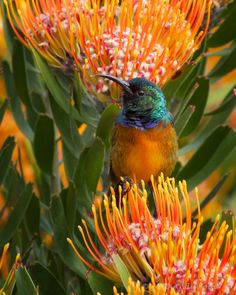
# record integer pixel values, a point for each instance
(164, 249)
(127, 39)
(45, 25)
(151, 39)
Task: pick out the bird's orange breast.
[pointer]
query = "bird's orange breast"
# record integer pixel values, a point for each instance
(138, 154)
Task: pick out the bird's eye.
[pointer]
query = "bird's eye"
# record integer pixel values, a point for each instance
(141, 93)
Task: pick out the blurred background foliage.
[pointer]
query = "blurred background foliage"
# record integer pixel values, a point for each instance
(54, 140)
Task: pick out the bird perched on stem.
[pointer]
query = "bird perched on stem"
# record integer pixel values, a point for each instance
(144, 140)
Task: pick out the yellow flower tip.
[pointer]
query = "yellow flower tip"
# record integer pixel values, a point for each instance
(83, 221)
(80, 229)
(93, 208)
(217, 219)
(17, 259)
(6, 247)
(112, 191)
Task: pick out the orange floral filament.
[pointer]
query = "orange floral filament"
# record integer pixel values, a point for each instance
(162, 250)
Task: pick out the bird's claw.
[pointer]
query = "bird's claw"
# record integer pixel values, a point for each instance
(126, 184)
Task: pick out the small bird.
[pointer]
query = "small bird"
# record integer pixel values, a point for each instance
(144, 141)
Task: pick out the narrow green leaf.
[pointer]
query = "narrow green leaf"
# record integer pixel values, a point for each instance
(3, 109)
(225, 65)
(209, 156)
(68, 129)
(71, 206)
(106, 123)
(15, 104)
(46, 282)
(100, 284)
(225, 32)
(199, 100)
(222, 151)
(19, 73)
(183, 120)
(61, 233)
(94, 164)
(171, 88)
(17, 215)
(59, 94)
(19, 118)
(216, 121)
(202, 155)
(70, 161)
(5, 156)
(24, 283)
(55, 89)
(44, 143)
(122, 270)
(225, 106)
(84, 194)
(33, 214)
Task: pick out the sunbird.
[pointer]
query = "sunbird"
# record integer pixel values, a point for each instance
(144, 141)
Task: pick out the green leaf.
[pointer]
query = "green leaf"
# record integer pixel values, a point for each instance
(44, 143)
(106, 123)
(122, 270)
(59, 94)
(227, 105)
(70, 161)
(99, 283)
(5, 156)
(55, 89)
(199, 100)
(19, 73)
(71, 206)
(47, 283)
(24, 283)
(17, 215)
(94, 164)
(3, 109)
(216, 120)
(15, 104)
(61, 233)
(183, 120)
(171, 88)
(68, 129)
(84, 195)
(225, 32)
(33, 213)
(209, 156)
(225, 65)
(88, 172)
(19, 118)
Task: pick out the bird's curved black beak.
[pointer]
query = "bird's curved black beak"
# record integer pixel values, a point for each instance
(125, 85)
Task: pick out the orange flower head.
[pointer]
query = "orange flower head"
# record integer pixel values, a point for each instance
(46, 26)
(165, 249)
(137, 38)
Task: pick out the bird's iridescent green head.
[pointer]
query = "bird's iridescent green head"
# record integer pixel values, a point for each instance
(143, 103)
